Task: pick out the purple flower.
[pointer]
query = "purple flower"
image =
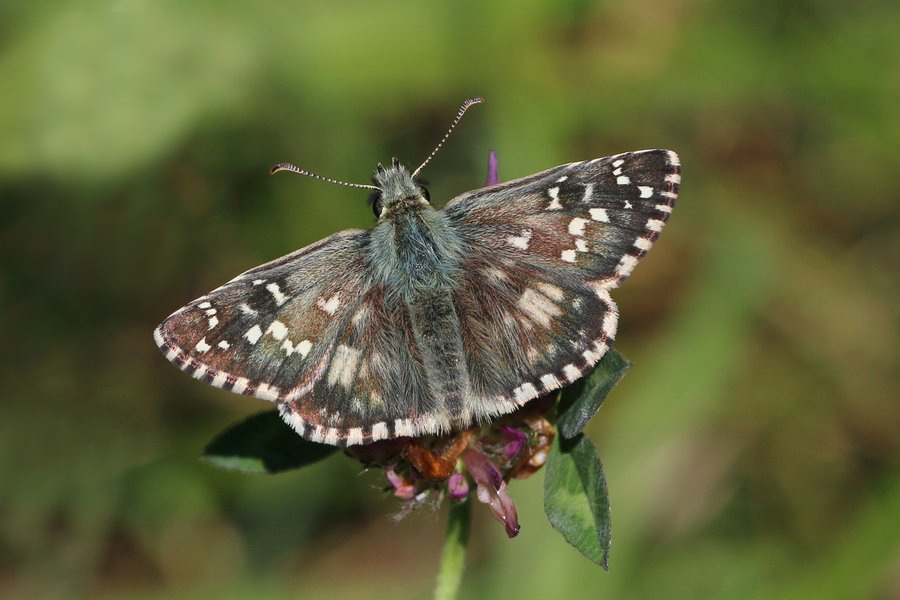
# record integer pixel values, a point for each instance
(515, 441)
(402, 488)
(493, 176)
(458, 486)
(492, 489)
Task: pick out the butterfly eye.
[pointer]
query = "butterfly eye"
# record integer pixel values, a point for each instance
(425, 193)
(376, 207)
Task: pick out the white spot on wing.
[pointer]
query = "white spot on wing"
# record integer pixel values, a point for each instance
(554, 195)
(655, 225)
(266, 392)
(158, 337)
(623, 180)
(276, 293)
(538, 307)
(240, 385)
(253, 334)
(571, 372)
(331, 305)
(524, 393)
(354, 436)
(520, 241)
(588, 192)
(568, 255)
(403, 428)
(379, 431)
(343, 366)
(626, 265)
(331, 436)
(646, 191)
(359, 318)
(551, 291)
(576, 226)
(561, 179)
(202, 346)
(219, 380)
(245, 308)
(297, 423)
(204, 305)
(213, 321)
(581, 245)
(619, 162)
(643, 243)
(278, 330)
(673, 178)
(224, 345)
(599, 214)
(610, 323)
(496, 273)
(549, 381)
(302, 348)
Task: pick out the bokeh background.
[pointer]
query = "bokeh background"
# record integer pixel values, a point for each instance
(753, 450)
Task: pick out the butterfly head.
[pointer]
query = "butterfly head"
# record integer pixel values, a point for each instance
(397, 190)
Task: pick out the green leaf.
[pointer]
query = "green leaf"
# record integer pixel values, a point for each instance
(263, 443)
(576, 499)
(580, 401)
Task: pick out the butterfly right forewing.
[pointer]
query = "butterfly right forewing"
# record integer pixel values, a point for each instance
(592, 219)
(543, 252)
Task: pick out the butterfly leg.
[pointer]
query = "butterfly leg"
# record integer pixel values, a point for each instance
(440, 465)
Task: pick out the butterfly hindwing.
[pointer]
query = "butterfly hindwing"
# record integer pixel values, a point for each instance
(527, 330)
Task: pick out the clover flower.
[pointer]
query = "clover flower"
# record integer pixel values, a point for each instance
(484, 458)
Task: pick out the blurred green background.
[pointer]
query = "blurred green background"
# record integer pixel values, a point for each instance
(753, 450)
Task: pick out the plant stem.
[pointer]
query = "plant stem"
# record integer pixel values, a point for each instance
(453, 558)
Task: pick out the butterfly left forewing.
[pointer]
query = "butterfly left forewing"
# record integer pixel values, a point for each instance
(318, 334)
(272, 328)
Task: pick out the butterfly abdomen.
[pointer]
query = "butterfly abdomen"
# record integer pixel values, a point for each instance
(436, 334)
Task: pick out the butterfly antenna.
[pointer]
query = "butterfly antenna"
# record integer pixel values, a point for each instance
(295, 169)
(462, 110)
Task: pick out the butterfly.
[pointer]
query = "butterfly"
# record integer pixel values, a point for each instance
(433, 319)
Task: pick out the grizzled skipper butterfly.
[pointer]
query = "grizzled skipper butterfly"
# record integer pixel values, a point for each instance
(433, 319)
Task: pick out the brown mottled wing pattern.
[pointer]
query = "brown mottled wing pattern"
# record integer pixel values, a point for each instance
(312, 332)
(331, 338)
(543, 254)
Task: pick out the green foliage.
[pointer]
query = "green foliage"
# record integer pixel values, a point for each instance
(576, 499)
(580, 401)
(263, 443)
